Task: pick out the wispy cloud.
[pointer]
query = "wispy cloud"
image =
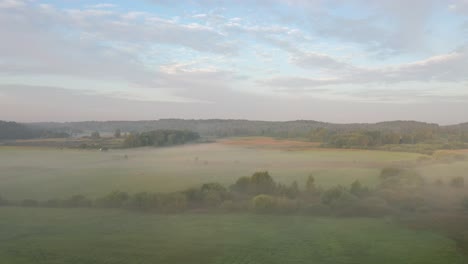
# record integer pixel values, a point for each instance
(227, 54)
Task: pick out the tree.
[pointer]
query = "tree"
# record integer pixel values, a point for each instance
(337, 197)
(242, 185)
(95, 135)
(213, 194)
(262, 183)
(310, 184)
(291, 191)
(117, 133)
(357, 189)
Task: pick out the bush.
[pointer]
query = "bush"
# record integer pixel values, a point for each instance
(264, 203)
(357, 189)
(337, 197)
(213, 194)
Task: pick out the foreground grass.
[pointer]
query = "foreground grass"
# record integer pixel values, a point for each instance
(46, 173)
(106, 236)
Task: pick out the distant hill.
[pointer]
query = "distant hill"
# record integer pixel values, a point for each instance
(235, 127)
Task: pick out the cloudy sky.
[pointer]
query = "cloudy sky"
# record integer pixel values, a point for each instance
(327, 60)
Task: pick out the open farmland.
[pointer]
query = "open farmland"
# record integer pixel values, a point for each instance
(108, 236)
(44, 173)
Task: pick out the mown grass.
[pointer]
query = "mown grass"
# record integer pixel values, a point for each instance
(45, 173)
(110, 236)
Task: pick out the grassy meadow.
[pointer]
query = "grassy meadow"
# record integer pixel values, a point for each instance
(113, 236)
(46, 173)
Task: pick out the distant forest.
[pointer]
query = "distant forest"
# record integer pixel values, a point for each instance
(385, 135)
(13, 130)
(160, 138)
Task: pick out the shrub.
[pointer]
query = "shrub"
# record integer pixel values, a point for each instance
(337, 197)
(357, 189)
(213, 194)
(264, 203)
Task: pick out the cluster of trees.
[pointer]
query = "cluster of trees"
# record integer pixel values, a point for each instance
(13, 130)
(399, 190)
(160, 138)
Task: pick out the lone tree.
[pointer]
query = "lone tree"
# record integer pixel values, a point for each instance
(310, 184)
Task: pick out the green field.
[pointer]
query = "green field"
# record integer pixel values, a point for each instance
(45, 173)
(107, 236)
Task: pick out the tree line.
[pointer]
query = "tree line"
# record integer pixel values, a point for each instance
(13, 130)
(399, 190)
(160, 138)
(372, 136)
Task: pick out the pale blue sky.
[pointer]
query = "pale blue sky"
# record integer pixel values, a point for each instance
(336, 61)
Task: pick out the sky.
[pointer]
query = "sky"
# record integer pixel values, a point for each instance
(326, 60)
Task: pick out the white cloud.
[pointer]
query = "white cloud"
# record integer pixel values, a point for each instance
(451, 67)
(7, 4)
